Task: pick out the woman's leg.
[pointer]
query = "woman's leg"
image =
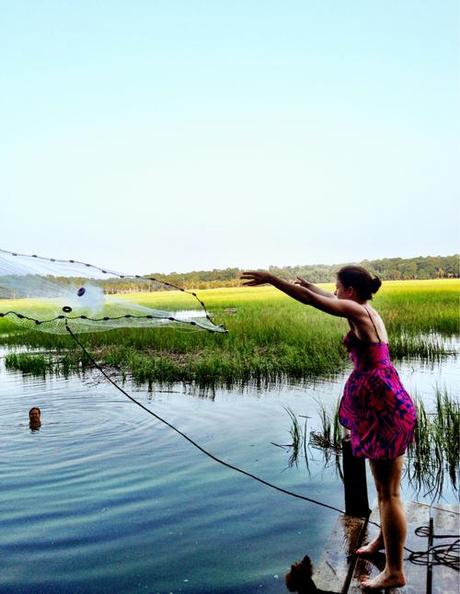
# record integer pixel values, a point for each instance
(376, 544)
(387, 475)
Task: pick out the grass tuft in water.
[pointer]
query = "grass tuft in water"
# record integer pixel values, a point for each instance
(436, 451)
(40, 364)
(296, 436)
(34, 364)
(434, 454)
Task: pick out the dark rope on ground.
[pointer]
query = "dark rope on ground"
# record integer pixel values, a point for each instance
(443, 554)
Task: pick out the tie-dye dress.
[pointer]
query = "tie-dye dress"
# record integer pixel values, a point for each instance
(375, 406)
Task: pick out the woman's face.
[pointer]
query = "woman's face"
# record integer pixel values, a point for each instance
(34, 416)
(342, 292)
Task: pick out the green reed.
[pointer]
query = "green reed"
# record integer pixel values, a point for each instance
(436, 451)
(431, 458)
(36, 364)
(329, 439)
(296, 436)
(39, 364)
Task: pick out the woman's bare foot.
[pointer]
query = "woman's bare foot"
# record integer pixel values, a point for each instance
(373, 547)
(384, 580)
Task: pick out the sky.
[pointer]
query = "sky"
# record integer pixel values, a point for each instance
(178, 135)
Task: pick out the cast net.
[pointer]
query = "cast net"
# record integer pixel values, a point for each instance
(51, 295)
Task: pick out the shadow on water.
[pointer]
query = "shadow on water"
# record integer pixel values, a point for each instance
(300, 578)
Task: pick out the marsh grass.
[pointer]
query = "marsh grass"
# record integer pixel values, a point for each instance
(36, 364)
(436, 451)
(271, 337)
(296, 436)
(329, 439)
(39, 364)
(433, 457)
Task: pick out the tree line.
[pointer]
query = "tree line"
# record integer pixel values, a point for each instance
(429, 267)
(422, 267)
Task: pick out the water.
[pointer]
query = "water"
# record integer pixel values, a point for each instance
(104, 498)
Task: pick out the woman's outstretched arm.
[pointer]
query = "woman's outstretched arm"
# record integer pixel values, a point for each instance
(345, 308)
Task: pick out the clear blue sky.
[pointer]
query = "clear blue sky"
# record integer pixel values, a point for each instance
(161, 135)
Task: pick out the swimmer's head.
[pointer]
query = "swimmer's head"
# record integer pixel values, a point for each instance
(35, 417)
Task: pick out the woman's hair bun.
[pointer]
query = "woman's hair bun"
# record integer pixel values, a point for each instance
(360, 279)
(376, 284)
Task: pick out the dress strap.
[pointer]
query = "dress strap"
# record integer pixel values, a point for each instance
(373, 323)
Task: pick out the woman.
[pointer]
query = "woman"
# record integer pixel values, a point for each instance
(375, 407)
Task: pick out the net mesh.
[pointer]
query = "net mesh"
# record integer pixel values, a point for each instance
(50, 294)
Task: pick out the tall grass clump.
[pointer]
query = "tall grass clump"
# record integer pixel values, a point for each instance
(434, 453)
(296, 436)
(298, 440)
(436, 450)
(34, 364)
(41, 364)
(328, 439)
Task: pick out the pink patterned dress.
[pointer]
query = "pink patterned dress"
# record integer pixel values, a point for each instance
(375, 406)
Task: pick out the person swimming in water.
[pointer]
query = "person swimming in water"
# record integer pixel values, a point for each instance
(35, 418)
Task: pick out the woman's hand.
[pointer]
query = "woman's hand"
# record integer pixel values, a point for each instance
(302, 282)
(253, 278)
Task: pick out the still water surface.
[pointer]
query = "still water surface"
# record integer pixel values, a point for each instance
(104, 498)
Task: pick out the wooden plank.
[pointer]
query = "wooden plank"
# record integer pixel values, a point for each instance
(445, 580)
(445, 521)
(332, 570)
(370, 567)
(338, 557)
